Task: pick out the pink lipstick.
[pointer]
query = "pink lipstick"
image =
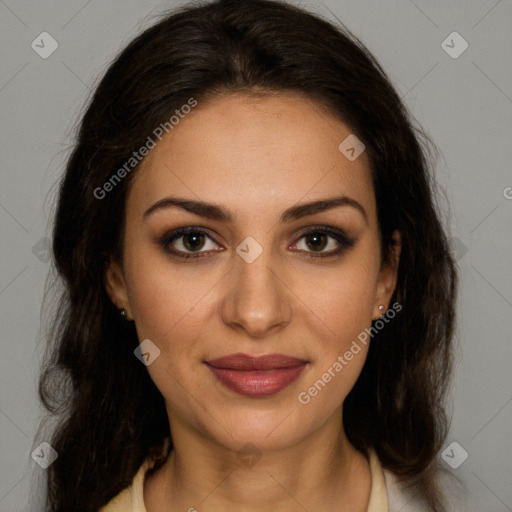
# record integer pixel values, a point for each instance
(256, 375)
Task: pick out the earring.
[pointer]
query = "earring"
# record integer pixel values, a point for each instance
(123, 313)
(381, 308)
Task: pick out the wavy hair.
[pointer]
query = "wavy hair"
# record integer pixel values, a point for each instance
(110, 414)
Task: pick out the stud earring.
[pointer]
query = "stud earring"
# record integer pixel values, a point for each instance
(123, 313)
(381, 307)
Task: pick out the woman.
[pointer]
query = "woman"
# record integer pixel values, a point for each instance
(259, 301)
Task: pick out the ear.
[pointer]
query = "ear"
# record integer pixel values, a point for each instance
(387, 277)
(115, 286)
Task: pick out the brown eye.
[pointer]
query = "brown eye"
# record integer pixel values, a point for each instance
(317, 241)
(193, 241)
(185, 242)
(324, 242)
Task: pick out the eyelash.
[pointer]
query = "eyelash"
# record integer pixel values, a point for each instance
(339, 235)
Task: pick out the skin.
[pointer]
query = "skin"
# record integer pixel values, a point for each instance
(256, 157)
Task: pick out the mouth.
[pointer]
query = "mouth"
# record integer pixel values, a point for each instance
(256, 376)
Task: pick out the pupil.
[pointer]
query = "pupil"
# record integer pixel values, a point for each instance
(316, 238)
(192, 241)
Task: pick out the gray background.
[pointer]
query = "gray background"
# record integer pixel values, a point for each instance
(465, 104)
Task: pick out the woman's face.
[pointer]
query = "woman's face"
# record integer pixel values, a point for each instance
(304, 284)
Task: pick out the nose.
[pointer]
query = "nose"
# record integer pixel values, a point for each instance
(258, 301)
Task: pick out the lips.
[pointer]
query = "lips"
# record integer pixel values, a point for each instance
(256, 376)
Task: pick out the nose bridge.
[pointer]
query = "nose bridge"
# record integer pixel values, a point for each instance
(257, 299)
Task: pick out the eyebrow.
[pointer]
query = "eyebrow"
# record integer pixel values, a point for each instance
(216, 212)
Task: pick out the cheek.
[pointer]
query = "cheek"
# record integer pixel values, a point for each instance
(170, 308)
(163, 295)
(338, 311)
(342, 301)
(173, 306)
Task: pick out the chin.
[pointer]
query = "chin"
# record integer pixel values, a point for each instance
(266, 430)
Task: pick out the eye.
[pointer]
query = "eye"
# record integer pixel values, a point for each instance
(187, 243)
(194, 242)
(317, 240)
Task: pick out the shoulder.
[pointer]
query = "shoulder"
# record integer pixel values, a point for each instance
(404, 499)
(123, 502)
(131, 498)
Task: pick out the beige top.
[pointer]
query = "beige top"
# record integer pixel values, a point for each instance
(131, 499)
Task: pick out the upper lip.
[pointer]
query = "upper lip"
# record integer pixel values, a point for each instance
(252, 363)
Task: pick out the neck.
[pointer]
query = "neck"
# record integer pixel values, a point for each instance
(323, 472)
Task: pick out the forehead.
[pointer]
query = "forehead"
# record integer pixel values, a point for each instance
(253, 155)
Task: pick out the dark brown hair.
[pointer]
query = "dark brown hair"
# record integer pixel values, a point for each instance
(110, 412)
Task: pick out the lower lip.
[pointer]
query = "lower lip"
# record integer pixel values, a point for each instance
(257, 382)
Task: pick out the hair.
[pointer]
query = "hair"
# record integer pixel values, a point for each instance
(110, 413)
